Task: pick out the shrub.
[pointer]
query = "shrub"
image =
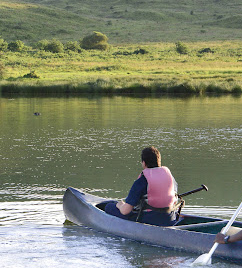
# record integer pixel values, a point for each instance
(214, 89)
(141, 51)
(32, 74)
(181, 48)
(206, 50)
(102, 46)
(184, 88)
(16, 46)
(72, 46)
(3, 45)
(54, 46)
(42, 44)
(125, 53)
(95, 41)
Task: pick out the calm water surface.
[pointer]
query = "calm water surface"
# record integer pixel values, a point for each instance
(94, 145)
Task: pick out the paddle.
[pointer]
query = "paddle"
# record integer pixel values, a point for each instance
(182, 202)
(143, 203)
(205, 259)
(204, 187)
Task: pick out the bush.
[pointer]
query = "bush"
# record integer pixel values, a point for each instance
(54, 46)
(102, 46)
(3, 45)
(124, 53)
(72, 46)
(42, 44)
(32, 74)
(181, 48)
(95, 41)
(141, 51)
(206, 50)
(16, 46)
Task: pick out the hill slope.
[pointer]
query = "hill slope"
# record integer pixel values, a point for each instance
(122, 21)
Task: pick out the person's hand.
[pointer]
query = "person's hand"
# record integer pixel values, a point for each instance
(219, 238)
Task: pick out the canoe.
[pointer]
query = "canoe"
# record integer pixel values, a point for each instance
(194, 234)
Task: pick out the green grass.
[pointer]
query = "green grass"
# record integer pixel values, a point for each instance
(122, 21)
(152, 25)
(120, 70)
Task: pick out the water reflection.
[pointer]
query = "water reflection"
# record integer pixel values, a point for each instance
(94, 144)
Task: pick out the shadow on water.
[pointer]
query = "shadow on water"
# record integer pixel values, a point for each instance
(89, 95)
(65, 91)
(100, 86)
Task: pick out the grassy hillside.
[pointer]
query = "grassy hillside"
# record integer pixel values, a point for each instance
(123, 21)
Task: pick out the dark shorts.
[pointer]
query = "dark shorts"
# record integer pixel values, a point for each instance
(152, 217)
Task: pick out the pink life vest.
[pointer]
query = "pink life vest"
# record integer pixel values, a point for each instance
(160, 192)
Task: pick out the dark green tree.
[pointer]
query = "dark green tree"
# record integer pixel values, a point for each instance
(96, 40)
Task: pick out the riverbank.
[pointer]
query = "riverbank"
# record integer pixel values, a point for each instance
(211, 67)
(101, 86)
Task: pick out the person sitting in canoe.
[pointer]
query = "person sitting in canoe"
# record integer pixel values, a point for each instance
(159, 188)
(225, 239)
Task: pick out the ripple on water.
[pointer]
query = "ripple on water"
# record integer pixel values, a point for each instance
(39, 212)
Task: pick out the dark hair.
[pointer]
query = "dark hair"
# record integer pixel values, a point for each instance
(151, 156)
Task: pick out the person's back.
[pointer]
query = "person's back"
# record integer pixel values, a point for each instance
(160, 187)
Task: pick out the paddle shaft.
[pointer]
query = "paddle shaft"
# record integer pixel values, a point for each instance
(225, 230)
(204, 187)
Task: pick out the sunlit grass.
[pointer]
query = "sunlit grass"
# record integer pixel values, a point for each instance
(16, 5)
(160, 69)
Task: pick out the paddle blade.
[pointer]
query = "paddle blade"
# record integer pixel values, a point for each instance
(202, 260)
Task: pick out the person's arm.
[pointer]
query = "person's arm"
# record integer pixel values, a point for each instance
(137, 190)
(233, 238)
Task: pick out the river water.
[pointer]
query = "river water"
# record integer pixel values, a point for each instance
(94, 144)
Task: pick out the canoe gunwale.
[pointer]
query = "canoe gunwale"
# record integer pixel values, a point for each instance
(191, 227)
